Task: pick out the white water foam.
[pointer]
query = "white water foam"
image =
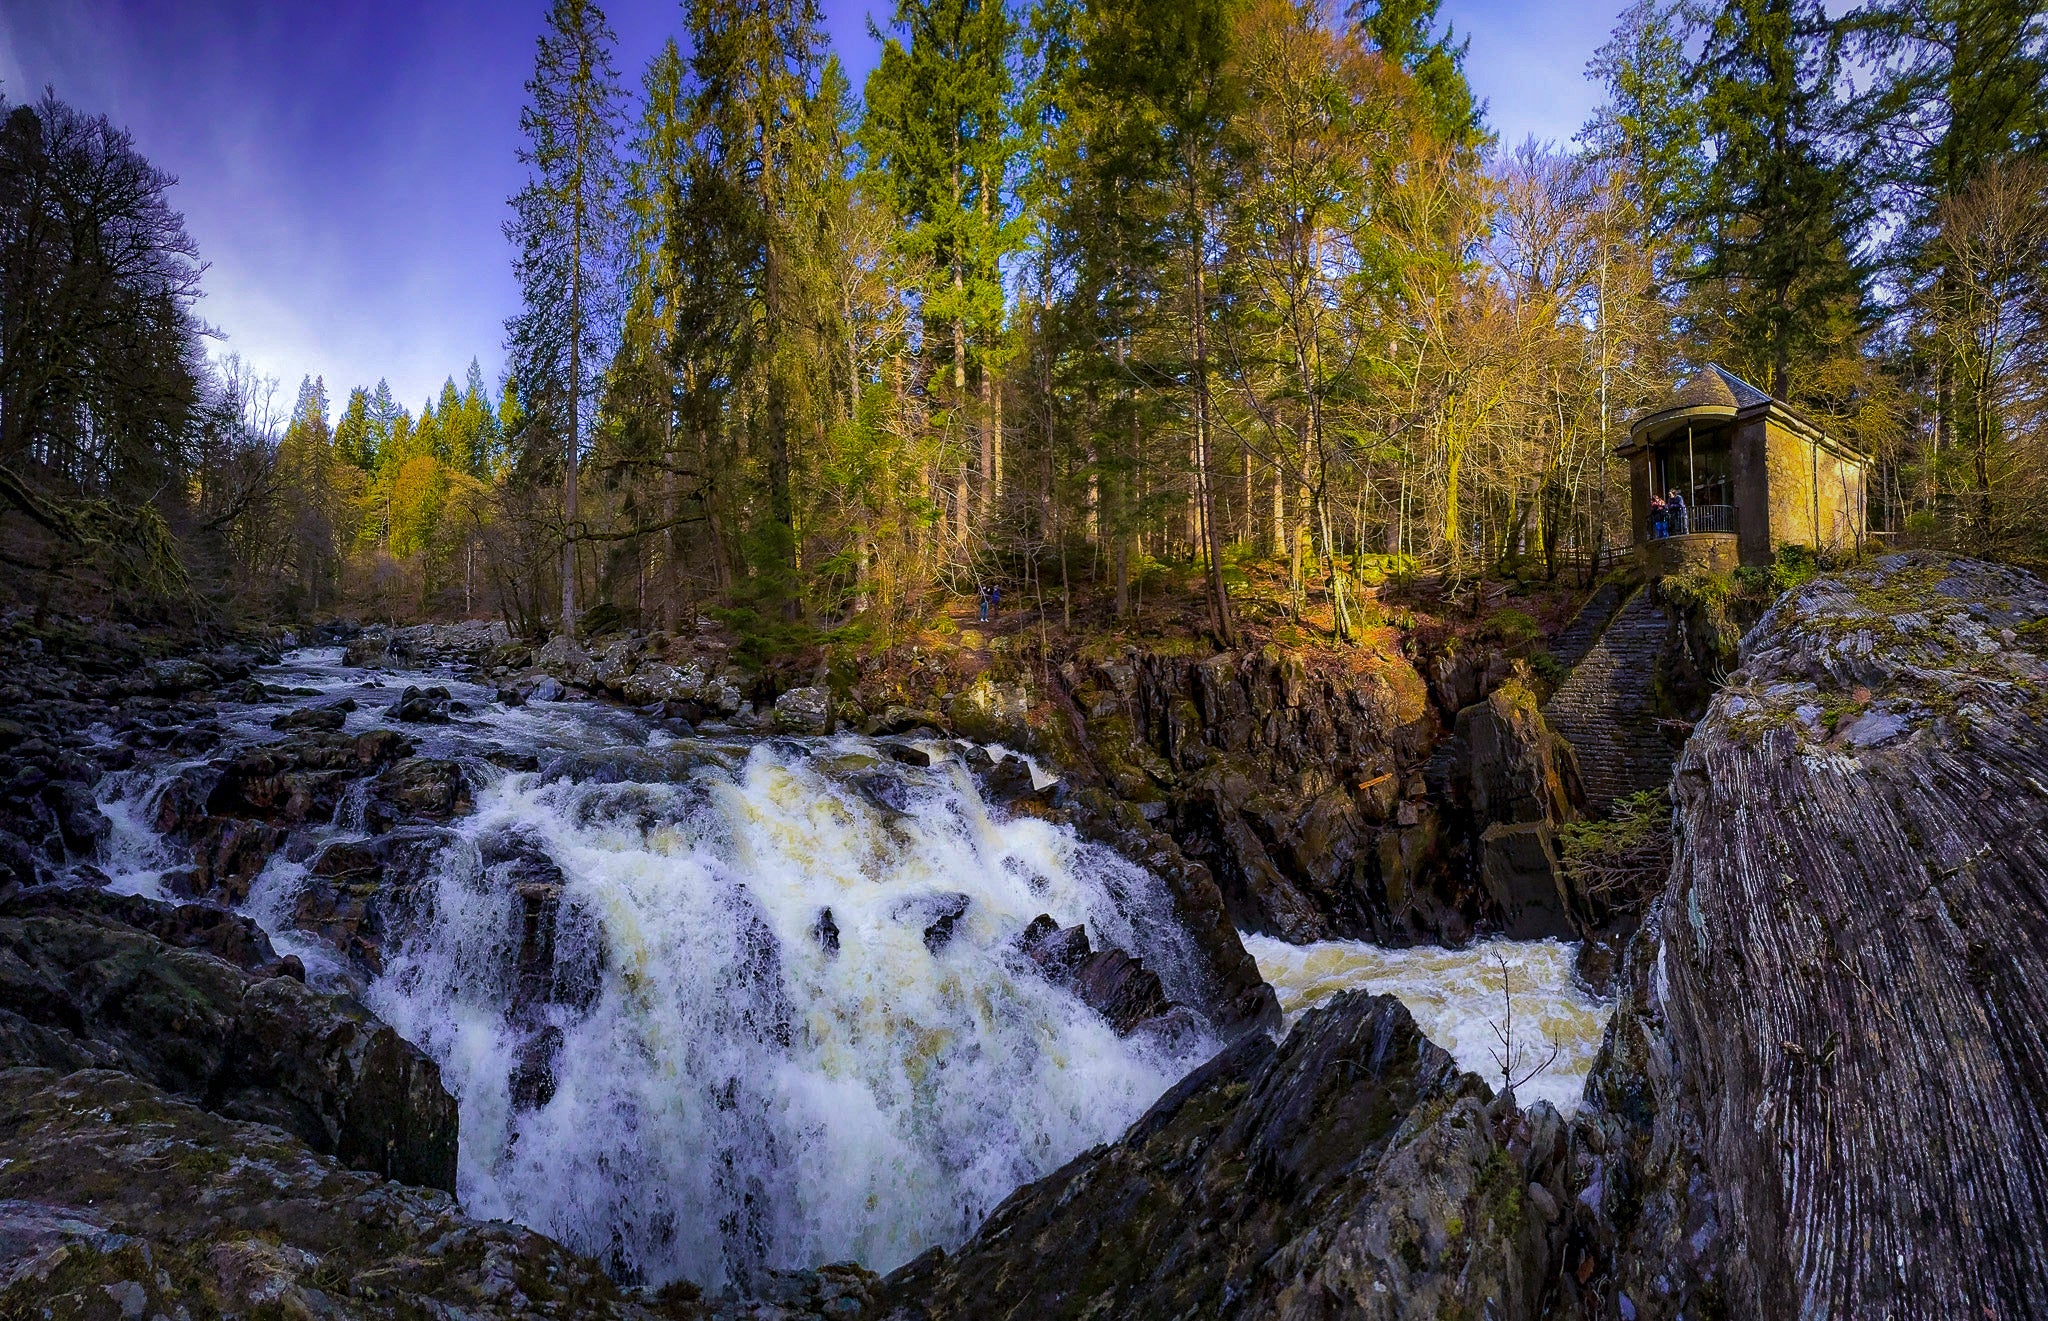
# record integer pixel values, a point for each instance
(1457, 1000)
(734, 1094)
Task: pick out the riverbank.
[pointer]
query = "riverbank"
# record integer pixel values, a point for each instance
(474, 870)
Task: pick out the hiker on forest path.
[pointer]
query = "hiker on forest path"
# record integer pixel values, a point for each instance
(983, 594)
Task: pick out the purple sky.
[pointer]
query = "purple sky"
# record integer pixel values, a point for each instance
(344, 167)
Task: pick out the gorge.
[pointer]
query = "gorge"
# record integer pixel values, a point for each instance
(727, 1016)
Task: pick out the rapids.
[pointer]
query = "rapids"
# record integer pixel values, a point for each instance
(705, 1075)
(716, 1002)
(1459, 1000)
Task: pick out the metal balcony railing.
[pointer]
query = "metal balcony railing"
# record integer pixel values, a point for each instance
(1699, 518)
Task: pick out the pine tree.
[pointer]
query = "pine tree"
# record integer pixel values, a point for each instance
(480, 424)
(752, 314)
(1649, 130)
(1405, 32)
(384, 414)
(355, 437)
(1159, 74)
(565, 228)
(938, 139)
(1780, 216)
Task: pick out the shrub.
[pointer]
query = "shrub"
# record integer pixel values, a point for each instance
(1512, 627)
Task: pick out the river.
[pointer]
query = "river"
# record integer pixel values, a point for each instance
(739, 1045)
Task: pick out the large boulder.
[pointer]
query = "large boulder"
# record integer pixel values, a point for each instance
(562, 659)
(1350, 1170)
(1112, 983)
(429, 788)
(1510, 780)
(1826, 1090)
(422, 705)
(805, 710)
(360, 894)
(118, 1199)
(84, 988)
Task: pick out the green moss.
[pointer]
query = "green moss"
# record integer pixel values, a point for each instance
(1500, 1186)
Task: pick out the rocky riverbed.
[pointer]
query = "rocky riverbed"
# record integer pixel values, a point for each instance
(291, 951)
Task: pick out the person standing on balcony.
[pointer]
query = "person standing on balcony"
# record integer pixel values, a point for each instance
(1657, 518)
(1675, 511)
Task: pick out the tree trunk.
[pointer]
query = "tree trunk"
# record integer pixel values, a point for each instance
(570, 514)
(1219, 596)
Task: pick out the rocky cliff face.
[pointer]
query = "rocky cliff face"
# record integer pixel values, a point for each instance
(1826, 1093)
(1301, 792)
(1349, 1170)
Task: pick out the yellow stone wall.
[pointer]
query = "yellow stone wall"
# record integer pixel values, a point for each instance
(1831, 516)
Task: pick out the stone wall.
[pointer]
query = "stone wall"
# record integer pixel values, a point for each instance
(1816, 494)
(1696, 552)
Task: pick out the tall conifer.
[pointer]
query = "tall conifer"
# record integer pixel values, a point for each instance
(565, 228)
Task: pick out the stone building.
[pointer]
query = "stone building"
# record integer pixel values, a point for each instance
(1754, 475)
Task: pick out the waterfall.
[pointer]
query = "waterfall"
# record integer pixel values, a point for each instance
(780, 1018)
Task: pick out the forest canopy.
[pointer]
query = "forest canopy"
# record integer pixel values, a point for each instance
(1065, 294)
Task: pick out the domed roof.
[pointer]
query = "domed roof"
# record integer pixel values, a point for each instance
(1713, 393)
(1707, 390)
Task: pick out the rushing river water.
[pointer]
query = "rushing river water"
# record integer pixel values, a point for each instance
(1459, 1000)
(736, 1079)
(741, 1046)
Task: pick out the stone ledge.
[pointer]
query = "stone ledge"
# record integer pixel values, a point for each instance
(1694, 552)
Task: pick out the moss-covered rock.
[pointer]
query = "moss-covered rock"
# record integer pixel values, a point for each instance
(1350, 1170)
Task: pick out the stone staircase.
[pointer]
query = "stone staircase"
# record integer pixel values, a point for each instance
(1586, 627)
(1607, 708)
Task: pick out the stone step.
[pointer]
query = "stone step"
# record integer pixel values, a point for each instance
(1606, 709)
(1577, 638)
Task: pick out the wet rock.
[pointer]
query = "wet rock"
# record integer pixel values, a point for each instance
(1508, 781)
(202, 927)
(1233, 753)
(122, 1199)
(562, 659)
(938, 914)
(1243, 1000)
(992, 712)
(1510, 766)
(311, 717)
(659, 681)
(900, 720)
(533, 1074)
(803, 711)
(1118, 987)
(360, 894)
(1057, 950)
(87, 989)
(1461, 678)
(293, 781)
(826, 932)
(172, 678)
(228, 854)
(1111, 982)
(370, 650)
(417, 788)
(1009, 782)
(1351, 1170)
(905, 753)
(421, 706)
(1525, 880)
